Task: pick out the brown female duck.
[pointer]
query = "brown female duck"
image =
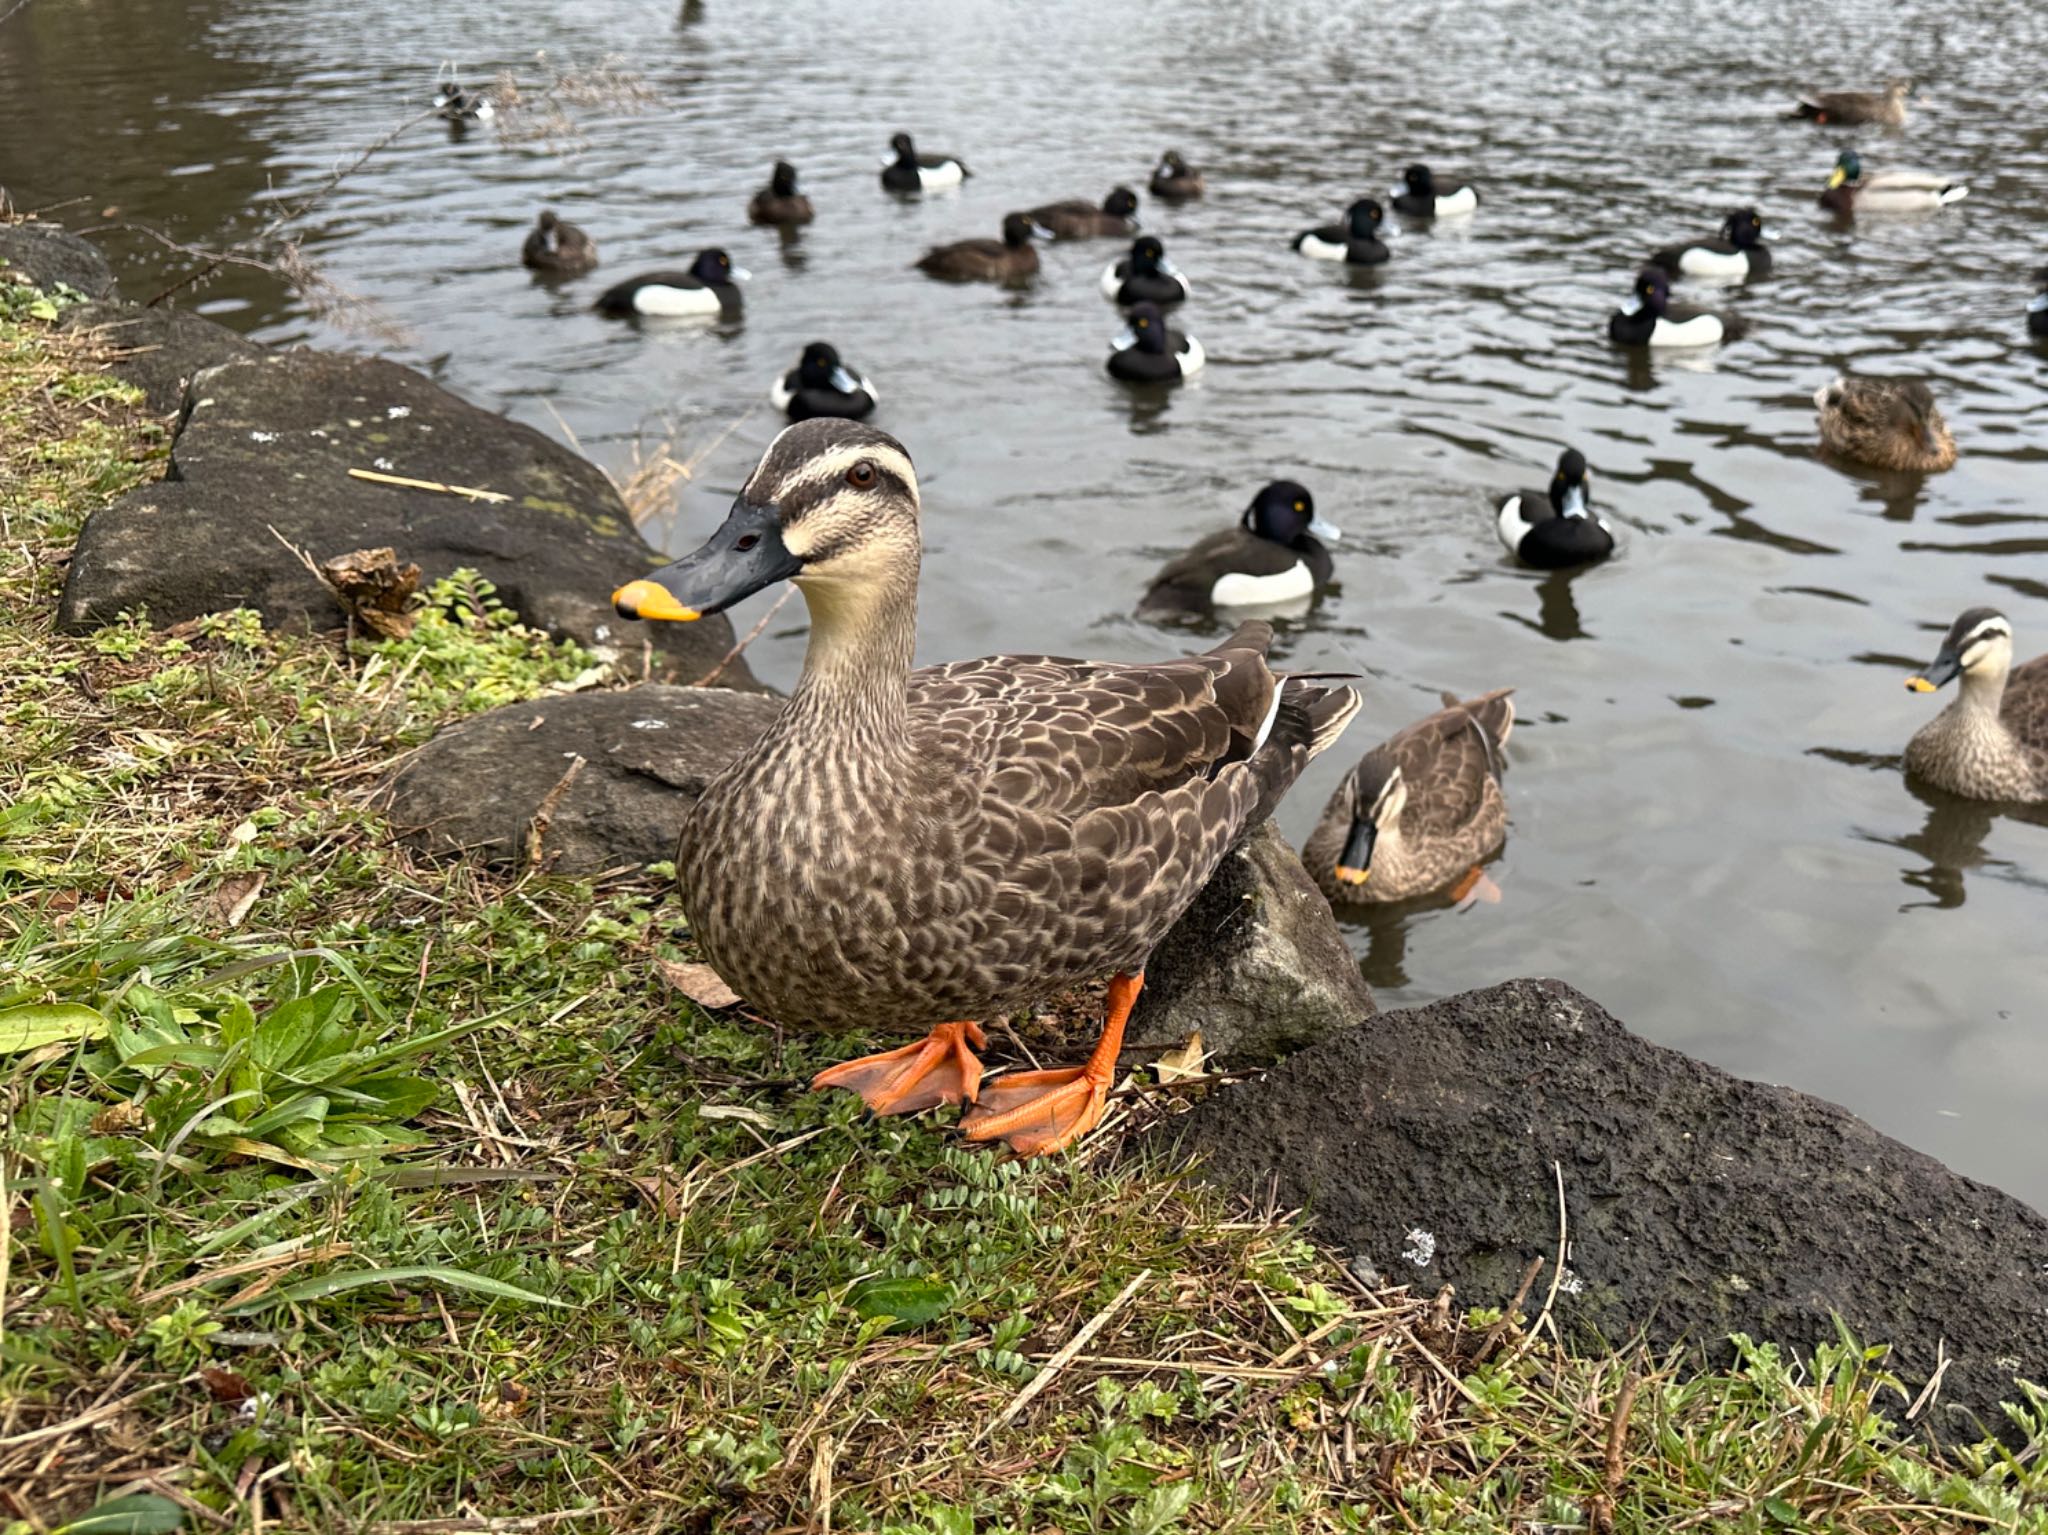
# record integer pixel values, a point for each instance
(1842, 108)
(1012, 259)
(1888, 423)
(1992, 742)
(1421, 810)
(780, 202)
(558, 249)
(939, 846)
(1078, 219)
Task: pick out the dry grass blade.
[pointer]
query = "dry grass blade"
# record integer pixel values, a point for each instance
(1050, 1371)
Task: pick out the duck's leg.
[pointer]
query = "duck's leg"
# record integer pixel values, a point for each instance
(940, 1068)
(1041, 1111)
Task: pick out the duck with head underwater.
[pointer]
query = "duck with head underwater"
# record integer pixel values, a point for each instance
(1556, 529)
(821, 385)
(1356, 241)
(908, 171)
(780, 202)
(1275, 558)
(558, 249)
(1649, 318)
(709, 287)
(1737, 251)
(1079, 219)
(1012, 259)
(927, 848)
(1149, 351)
(1849, 192)
(1144, 276)
(1417, 197)
(1992, 742)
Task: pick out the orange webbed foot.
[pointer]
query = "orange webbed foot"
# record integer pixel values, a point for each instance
(1476, 885)
(940, 1068)
(1038, 1112)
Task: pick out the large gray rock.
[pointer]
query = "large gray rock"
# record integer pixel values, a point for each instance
(159, 351)
(1256, 964)
(1699, 1204)
(47, 255)
(264, 453)
(648, 752)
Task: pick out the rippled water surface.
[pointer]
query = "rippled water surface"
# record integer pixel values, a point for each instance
(1710, 833)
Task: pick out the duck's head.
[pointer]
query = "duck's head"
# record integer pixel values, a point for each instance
(1848, 169)
(1020, 229)
(1378, 793)
(1651, 292)
(1417, 179)
(548, 221)
(2041, 279)
(1743, 228)
(1171, 164)
(904, 149)
(1145, 330)
(1121, 204)
(1363, 218)
(1977, 645)
(783, 182)
(1571, 488)
(1284, 511)
(714, 267)
(832, 504)
(1148, 255)
(820, 368)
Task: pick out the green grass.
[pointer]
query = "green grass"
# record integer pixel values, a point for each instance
(345, 1189)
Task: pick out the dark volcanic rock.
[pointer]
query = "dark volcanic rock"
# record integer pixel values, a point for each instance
(268, 444)
(48, 255)
(157, 350)
(648, 752)
(1257, 964)
(1699, 1204)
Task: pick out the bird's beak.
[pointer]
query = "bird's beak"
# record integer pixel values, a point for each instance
(1767, 233)
(1397, 190)
(1574, 504)
(743, 556)
(741, 274)
(1943, 669)
(1039, 231)
(844, 381)
(1324, 529)
(1123, 340)
(1354, 865)
(1836, 177)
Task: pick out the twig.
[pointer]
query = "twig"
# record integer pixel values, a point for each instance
(1600, 1515)
(1064, 1357)
(751, 635)
(537, 828)
(83, 1420)
(1490, 1339)
(1556, 1274)
(447, 490)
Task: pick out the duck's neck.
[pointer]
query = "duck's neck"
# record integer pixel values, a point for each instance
(856, 678)
(1978, 695)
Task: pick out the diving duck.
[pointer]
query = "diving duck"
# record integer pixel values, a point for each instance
(1992, 742)
(1888, 423)
(1174, 180)
(821, 385)
(1355, 241)
(1012, 259)
(1149, 351)
(1649, 318)
(1274, 557)
(909, 171)
(1421, 811)
(455, 105)
(1144, 276)
(1736, 251)
(1417, 197)
(559, 249)
(1850, 192)
(1558, 528)
(1847, 108)
(1079, 219)
(2037, 306)
(928, 848)
(709, 287)
(780, 202)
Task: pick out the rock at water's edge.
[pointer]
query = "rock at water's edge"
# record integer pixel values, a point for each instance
(159, 351)
(1699, 1204)
(47, 255)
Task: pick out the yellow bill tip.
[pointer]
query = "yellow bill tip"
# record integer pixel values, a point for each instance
(1352, 876)
(1919, 685)
(649, 599)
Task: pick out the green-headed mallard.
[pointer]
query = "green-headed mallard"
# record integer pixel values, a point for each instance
(1992, 742)
(1888, 423)
(1887, 107)
(558, 248)
(927, 848)
(1850, 192)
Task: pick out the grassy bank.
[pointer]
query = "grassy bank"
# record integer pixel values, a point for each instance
(349, 1191)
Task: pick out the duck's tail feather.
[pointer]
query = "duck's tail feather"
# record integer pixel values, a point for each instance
(1307, 720)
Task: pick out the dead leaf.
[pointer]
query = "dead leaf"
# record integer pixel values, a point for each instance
(507, 1400)
(377, 591)
(119, 1119)
(733, 1111)
(225, 1385)
(236, 895)
(1179, 1065)
(700, 983)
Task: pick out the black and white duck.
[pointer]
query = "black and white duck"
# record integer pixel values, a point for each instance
(908, 171)
(1649, 318)
(821, 385)
(709, 287)
(1556, 529)
(1276, 557)
(1418, 197)
(1149, 351)
(1736, 251)
(1145, 276)
(1356, 241)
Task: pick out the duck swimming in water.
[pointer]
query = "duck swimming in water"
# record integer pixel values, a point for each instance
(910, 171)
(1149, 351)
(1144, 276)
(1556, 529)
(821, 385)
(1174, 180)
(1356, 241)
(1078, 219)
(1417, 197)
(1992, 742)
(1735, 252)
(779, 202)
(1649, 318)
(1888, 423)
(1276, 557)
(1012, 259)
(709, 287)
(1847, 108)
(1849, 192)
(559, 249)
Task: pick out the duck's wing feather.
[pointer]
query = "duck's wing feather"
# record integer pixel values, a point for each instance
(1452, 763)
(1880, 404)
(2024, 709)
(1231, 549)
(1906, 181)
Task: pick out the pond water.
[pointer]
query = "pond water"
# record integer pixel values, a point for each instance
(1710, 833)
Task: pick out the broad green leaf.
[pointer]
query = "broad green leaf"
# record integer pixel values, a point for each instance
(304, 1106)
(912, 1302)
(32, 1027)
(452, 1278)
(393, 1097)
(141, 1513)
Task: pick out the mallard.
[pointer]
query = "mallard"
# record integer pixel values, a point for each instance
(711, 286)
(2037, 306)
(1274, 557)
(1649, 318)
(1850, 192)
(928, 848)
(1144, 276)
(1149, 351)
(1356, 240)
(456, 105)
(1889, 423)
(780, 202)
(1557, 528)
(908, 171)
(1174, 180)
(1421, 811)
(1417, 197)
(1079, 219)
(1992, 742)
(1736, 251)
(1887, 106)
(557, 248)
(1012, 259)
(821, 385)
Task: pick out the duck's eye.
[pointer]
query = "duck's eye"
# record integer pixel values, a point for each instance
(862, 475)
(1144, 324)
(746, 541)
(1300, 507)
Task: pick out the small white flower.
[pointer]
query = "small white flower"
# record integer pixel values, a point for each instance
(263, 437)
(398, 412)
(384, 463)
(1421, 1247)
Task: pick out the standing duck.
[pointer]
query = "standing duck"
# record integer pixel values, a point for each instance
(1737, 251)
(1174, 180)
(1421, 811)
(709, 287)
(1649, 318)
(1888, 423)
(1149, 351)
(821, 385)
(910, 171)
(1144, 276)
(1417, 197)
(1558, 528)
(1079, 219)
(1012, 259)
(1356, 241)
(558, 249)
(1275, 556)
(1992, 742)
(779, 202)
(2037, 306)
(929, 848)
(1847, 108)
(1850, 192)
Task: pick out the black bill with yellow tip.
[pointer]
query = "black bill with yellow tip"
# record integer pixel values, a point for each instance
(743, 556)
(1354, 864)
(1942, 670)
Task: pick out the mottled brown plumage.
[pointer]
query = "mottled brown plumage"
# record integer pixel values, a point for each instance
(1992, 742)
(1842, 108)
(1889, 423)
(1431, 794)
